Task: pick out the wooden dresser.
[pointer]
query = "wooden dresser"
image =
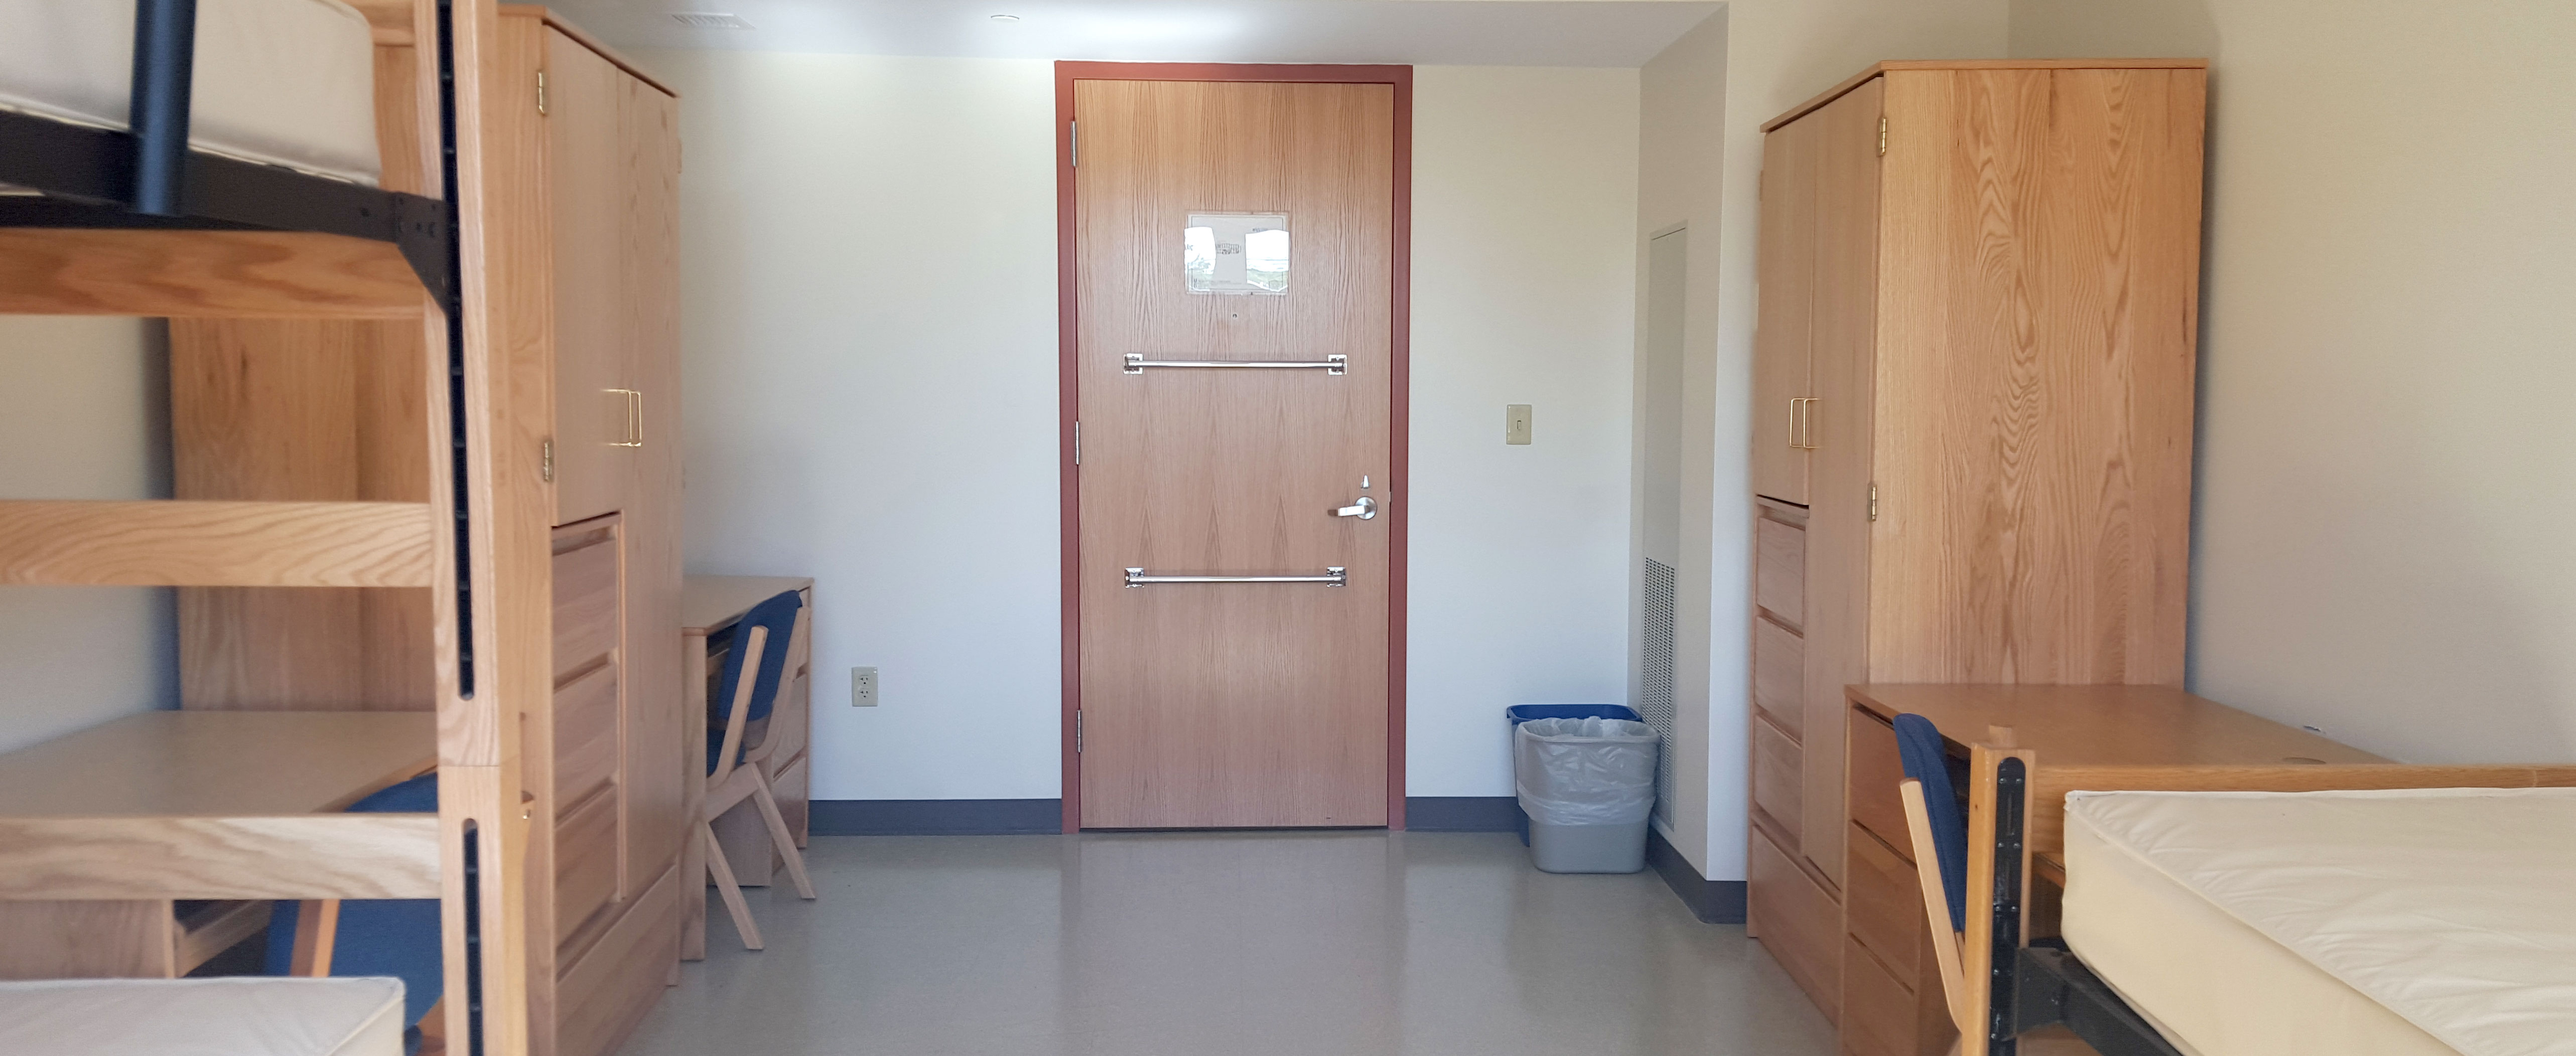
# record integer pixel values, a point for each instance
(1891, 991)
(1972, 437)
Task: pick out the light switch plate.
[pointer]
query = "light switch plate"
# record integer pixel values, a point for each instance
(863, 687)
(1516, 424)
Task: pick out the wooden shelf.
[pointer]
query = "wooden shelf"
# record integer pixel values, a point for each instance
(204, 274)
(185, 543)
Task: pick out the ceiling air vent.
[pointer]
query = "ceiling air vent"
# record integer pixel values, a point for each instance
(705, 20)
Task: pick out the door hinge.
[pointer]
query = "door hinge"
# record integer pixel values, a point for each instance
(1882, 137)
(1077, 443)
(1873, 500)
(541, 96)
(1077, 731)
(1074, 134)
(546, 459)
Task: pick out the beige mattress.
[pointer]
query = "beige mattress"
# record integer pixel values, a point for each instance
(281, 82)
(2430, 921)
(202, 1017)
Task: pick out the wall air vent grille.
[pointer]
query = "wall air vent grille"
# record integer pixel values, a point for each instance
(709, 20)
(1655, 676)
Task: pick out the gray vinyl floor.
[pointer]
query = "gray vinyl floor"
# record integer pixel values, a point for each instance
(1314, 944)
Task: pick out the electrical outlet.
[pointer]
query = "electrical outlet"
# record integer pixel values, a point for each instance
(863, 687)
(1516, 423)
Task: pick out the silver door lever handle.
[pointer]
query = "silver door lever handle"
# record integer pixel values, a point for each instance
(1364, 509)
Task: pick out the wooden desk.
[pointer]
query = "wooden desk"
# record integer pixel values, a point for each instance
(709, 605)
(101, 830)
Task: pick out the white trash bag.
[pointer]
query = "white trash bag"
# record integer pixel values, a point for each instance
(1587, 786)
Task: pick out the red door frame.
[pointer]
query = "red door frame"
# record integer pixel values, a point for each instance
(1400, 273)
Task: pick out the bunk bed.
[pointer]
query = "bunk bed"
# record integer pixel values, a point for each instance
(253, 219)
(2367, 908)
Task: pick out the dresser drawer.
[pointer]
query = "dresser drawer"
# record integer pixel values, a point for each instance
(1780, 675)
(585, 864)
(1883, 1017)
(1775, 775)
(1796, 919)
(1875, 769)
(1883, 905)
(585, 597)
(1780, 570)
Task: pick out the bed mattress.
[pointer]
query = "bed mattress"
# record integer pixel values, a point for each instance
(202, 1017)
(2431, 921)
(281, 82)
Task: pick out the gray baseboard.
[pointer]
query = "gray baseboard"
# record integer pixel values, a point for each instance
(1462, 813)
(1712, 901)
(936, 817)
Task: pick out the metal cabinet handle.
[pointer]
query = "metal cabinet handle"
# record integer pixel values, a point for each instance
(1333, 365)
(634, 419)
(1802, 422)
(1333, 577)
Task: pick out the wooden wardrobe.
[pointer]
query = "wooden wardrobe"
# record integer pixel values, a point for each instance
(582, 249)
(1972, 434)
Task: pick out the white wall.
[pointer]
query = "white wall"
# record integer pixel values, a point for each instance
(1524, 196)
(1778, 53)
(870, 341)
(2387, 477)
(84, 414)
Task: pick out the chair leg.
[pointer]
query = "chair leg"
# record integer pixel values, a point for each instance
(722, 871)
(782, 839)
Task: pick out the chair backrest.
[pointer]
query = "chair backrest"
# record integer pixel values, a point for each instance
(397, 937)
(1919, 743)
(778, 614)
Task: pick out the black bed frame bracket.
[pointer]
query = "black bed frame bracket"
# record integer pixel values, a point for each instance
(2056, 988)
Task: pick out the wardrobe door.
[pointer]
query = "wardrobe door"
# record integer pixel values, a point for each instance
(649, 339)
(1839, 426)
(596, 412)
(1782, 385)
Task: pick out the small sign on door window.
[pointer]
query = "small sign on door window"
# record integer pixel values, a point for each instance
(1236, 253)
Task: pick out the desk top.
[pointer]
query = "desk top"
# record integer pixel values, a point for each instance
(2108, 725)
(218, 763)
(710, 602)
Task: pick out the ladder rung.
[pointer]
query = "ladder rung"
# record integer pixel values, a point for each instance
(189, 543)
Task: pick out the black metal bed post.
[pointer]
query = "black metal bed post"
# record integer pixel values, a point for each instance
(165, 57)
(2004, 955)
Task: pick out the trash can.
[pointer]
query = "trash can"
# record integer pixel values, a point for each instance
(1588, 786)
(1520, 713)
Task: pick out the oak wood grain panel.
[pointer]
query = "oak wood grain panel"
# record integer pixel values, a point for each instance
(1784, 313)
(177, 543)
(1883, 906)
(1775, 775)
(2107, 725)
(1865, 76)
(399, 142)
(586, 186)
(1798, 920)
(297, 856)
(1780, 570)
(1838, 587)
(585, 866)
(2037, 309)
(1780, 675)
(229, 274)
(104, 939)
(1234, 705)
(1882, 1016)
(1877, 768)
(605, 993)
(657, 811)
(215, 764)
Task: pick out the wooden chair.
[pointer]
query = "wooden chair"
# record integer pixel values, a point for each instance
(373, 937)
(1942, 832)
(735, 769)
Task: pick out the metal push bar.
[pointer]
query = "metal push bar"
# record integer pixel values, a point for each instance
(1334, 576)
(1333, 365)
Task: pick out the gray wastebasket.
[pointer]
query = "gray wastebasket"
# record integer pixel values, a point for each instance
(1588, 786)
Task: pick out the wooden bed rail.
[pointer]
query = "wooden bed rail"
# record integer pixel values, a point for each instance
(187, 543)
(300, 856)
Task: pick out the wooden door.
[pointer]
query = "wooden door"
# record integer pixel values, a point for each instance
(1233, 704)
(595, 408)
(1843, 325)
(1784, 313)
